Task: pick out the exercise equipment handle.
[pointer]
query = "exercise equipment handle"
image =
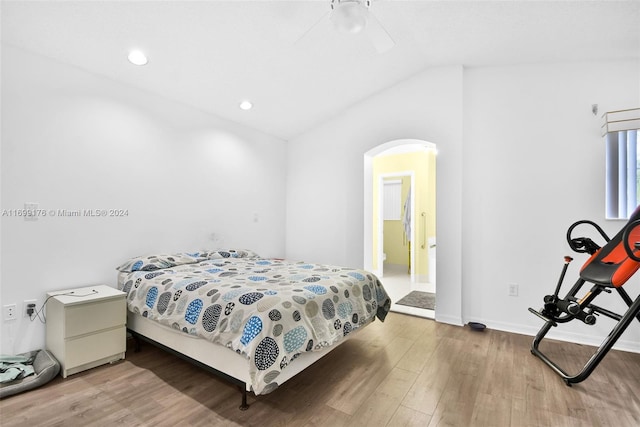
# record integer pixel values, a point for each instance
(584, 244)
(625, 241)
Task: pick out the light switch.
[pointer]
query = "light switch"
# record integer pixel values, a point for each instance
(31, 211)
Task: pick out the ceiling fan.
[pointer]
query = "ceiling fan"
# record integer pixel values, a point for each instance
(355, 17)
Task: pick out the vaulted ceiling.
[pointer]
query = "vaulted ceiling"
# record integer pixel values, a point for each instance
(291, 63)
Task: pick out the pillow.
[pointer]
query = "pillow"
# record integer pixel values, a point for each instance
(157, 262)
(230, 253)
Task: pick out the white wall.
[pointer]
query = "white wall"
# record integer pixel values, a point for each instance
(74, 140)
(529, 163)
(325, 184)
(534, 157)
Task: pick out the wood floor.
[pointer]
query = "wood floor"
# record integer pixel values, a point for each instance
(407, 371)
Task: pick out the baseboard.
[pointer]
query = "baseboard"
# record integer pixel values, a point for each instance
(557, 334)
(451, 320)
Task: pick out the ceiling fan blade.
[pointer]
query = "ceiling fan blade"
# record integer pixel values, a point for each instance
(323, 20)
(379, 37)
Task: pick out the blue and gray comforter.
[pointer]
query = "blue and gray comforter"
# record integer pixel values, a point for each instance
(270, 310)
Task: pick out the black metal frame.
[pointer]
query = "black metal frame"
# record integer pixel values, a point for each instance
(241, 384)
(623, 322)
(557, 310)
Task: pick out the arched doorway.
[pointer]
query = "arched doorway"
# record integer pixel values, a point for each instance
(401, 249)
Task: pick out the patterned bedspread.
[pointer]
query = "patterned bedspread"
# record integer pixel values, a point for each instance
(267, 309)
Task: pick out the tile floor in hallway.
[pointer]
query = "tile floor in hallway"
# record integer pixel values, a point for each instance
(397, 282)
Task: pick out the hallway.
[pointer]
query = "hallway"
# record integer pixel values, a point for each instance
(398, 284)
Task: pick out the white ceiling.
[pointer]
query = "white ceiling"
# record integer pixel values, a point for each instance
(212, 54)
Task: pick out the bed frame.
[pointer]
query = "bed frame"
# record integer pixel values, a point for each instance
(212, 357)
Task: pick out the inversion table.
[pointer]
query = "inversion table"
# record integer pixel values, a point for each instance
(608, 268)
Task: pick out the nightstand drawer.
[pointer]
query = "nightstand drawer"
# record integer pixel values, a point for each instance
(86, 349)
(87, 318)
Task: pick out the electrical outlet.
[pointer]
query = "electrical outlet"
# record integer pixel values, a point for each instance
(25, 307)
(513, 290)
(9, 312)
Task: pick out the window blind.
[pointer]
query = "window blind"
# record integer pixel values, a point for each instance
(620, 130)
(392, 200)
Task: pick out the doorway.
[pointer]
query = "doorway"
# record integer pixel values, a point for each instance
(406, 267)
(396, 226)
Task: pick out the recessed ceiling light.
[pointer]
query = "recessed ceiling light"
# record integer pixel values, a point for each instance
(246, 105)
(136, 57)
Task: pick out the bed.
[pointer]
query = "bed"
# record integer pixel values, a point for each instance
(255, 321)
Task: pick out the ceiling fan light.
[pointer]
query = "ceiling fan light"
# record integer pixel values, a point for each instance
(349, 16)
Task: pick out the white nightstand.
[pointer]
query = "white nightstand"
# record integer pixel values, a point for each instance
(86, 327)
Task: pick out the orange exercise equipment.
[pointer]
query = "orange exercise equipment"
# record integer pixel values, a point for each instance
(608, 269)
